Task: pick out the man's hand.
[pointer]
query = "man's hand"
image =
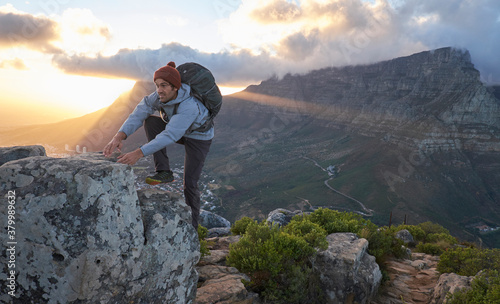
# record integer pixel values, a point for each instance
(115, 144)
(130, 158)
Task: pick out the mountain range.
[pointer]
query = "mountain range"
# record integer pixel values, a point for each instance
(411, 139)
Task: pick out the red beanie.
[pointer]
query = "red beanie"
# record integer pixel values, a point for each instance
(169, 73)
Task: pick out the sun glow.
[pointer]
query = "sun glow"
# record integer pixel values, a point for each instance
(47, 95)
(230, 90)
(89, 94)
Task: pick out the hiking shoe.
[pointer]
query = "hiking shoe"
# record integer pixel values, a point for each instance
(161, 177)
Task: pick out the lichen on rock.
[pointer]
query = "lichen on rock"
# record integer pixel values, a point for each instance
(84, 236)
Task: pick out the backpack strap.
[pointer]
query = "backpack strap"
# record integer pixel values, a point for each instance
(163, 115)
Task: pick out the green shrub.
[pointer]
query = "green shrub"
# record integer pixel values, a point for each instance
(311, 232)
(468, 261)
(432, 228)
(334, 221)
(430, 248)
(382, 243)
(240, 226)
(202, 234)
(485, 289)
(278, 260)
(441, 237)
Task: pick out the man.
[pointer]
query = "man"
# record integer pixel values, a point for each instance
(182, 113)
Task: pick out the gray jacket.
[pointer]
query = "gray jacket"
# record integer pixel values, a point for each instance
(191, 114)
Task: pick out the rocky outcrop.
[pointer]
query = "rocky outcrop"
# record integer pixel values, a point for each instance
(84, 235)
(13, 153)
(347, 272)
(281, 216)
(219, 283)
(449, 283)
(405, 236)
(410, 280)
(211, 220)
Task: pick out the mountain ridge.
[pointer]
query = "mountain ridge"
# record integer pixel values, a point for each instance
(424, 89)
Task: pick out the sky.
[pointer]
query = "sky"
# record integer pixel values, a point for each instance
(65, 58)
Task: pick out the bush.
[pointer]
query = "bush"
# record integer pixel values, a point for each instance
(432, 228)
(485, 289)
(202, 234)
(240, 226)
(430, 248)
(468, 261)
(311, 232)
(383, 243)
(441, 237)
(278, 260)
(334, 221)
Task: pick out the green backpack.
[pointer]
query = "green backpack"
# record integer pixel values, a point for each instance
(204, 88)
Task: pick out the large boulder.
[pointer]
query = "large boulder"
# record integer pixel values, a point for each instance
(405, 236)
(14, 153)
(82, 235)
(449, 283)
(348, 274)
(211, 220)
(282, 217)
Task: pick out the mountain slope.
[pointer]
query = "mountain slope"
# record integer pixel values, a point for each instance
(91, 131)
(417, 136)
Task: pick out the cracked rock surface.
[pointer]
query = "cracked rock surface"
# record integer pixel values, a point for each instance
(85, 235)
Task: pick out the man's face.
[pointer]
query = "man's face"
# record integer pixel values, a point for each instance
(165, 90)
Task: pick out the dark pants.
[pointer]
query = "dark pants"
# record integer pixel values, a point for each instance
(196, 152)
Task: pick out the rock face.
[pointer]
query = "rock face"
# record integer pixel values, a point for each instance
(219, 283)
(84, 235)
(14, 153)
(410, 280)
(405, 236)
(281, 216)
(348, 273)
(211, 220)
(449, 283)
(432, 100)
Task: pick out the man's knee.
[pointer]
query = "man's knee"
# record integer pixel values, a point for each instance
(149, 121)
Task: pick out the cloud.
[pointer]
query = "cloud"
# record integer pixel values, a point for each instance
(24, 30)
(274, 37)
(76, 30)
(276, 11)
(230, 68)
(82, 32)
(15, 63)
(84, 23)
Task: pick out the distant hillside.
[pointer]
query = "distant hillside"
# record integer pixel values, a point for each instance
(91, 131)
(417, 136)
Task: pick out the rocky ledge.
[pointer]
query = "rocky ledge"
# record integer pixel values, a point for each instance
(79, 232)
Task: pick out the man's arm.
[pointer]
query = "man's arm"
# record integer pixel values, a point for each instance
(131, 158)
(115, 144)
